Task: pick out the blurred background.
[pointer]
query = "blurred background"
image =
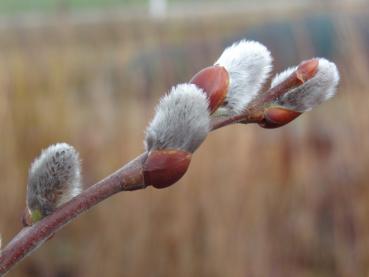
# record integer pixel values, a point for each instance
(292, 201)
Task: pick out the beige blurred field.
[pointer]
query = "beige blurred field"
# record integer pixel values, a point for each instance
(292, 201)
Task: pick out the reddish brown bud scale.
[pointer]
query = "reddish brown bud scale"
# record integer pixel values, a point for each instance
(307, 70)
(165, 167)
(304, 72)
(275, 117)
(214, 80)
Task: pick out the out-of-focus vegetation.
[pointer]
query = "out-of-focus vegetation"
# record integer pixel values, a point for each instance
(9, 7)
(15, 6)
(287, 202)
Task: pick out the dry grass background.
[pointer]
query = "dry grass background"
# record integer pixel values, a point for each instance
(287, 202)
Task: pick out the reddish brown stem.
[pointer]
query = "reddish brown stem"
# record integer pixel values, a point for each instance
(129, 177)
(246, 117)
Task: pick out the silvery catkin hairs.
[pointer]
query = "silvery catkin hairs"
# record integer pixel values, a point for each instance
(181, 120)
(54, 178)
(311, 93)
(248, 64)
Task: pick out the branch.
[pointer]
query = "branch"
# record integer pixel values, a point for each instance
(255, 112)
(127, 178)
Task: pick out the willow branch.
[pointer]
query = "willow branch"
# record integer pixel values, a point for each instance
(254, 113)
(127, 178)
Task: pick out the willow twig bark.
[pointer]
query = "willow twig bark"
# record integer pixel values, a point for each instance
(129, 177)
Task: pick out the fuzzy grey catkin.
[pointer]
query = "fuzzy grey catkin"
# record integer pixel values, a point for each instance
(181, 120)
(313, 92)
(54, 178)
(248, 64)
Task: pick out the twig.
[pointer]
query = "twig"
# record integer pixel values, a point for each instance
(127, 178)
(255, 111)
